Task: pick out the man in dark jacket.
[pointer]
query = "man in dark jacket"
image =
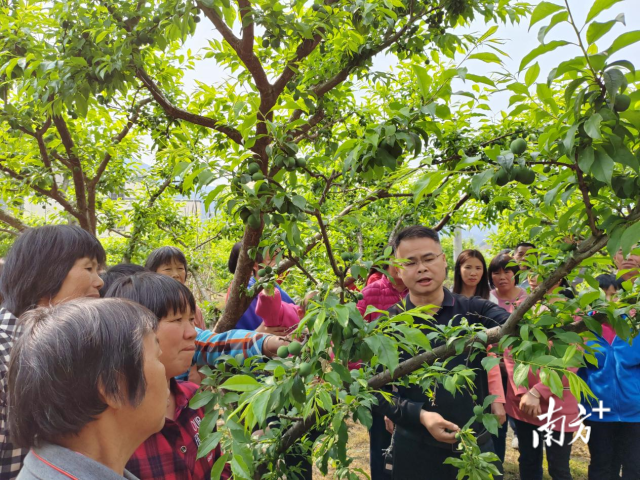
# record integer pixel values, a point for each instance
(425, 427)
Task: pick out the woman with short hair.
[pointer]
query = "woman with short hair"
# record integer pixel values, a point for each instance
(45, 266)
(86, 387)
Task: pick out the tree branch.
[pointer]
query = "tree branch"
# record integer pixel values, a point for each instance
(455, 208)
(133, 119)
(137, 226)
(244, 48)
(77, 174)
(56, 196)
(587, 200)
(12, 221)
(178, 113)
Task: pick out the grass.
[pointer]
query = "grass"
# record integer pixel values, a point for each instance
(359, 451)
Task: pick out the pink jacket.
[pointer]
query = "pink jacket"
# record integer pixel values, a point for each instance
(277, 313)
(381, 294)
(567, 404)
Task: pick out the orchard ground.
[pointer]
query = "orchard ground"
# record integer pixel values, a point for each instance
(359, 450)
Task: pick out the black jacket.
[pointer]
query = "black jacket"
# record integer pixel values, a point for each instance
(405, 409)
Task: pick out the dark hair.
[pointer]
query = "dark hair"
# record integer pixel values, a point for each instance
(607, 280)
(415, 231)
(500, 263)
(163, 255)
(524, 244)
(67, 359)
(234, 255)
(161, 294)
(482, 289)
(118, 271)
(40, 260)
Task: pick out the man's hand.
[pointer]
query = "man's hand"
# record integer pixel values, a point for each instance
(530, 404)
(498, 410)
(389, 425)
(441, 429)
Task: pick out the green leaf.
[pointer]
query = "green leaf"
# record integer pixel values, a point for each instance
(489, 362)
(592, 126)
(414, 336)
(532, 74)
(480, 79)
(555, 20)
(596, 30)
(486, 57)
(259, 404)
(540, 50)
(480, 179)
(218, 467)
(542, 11)
(602, 168)
(624, 40)
(241, 383)
(589, 297)
(424, 80)
(600, 6)
(521, 374)
(201, 398)
(385, 349)
(491, 423)
(586, 159)
(555, 384)
(630, 238)
(209, 443)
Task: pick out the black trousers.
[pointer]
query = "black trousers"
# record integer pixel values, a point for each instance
(379, 440)
(614, 445)
(531, 458)
(415, 461)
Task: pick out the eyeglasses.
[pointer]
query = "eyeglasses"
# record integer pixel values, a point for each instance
(425, 261)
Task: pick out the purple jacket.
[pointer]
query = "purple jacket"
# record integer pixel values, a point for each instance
(382, 295)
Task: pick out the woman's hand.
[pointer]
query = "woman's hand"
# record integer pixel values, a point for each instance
(271, 344)
(530, 403)
(279, 330)
(498, 410)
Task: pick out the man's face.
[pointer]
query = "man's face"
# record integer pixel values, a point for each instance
(424, 268)
(520, 253)
(630, 262)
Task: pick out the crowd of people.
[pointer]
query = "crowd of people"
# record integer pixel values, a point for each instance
(97, 366)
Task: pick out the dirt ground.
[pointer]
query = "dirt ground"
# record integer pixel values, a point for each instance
(359, 450)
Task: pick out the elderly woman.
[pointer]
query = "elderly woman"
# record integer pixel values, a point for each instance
(86, 387)
(45, 266)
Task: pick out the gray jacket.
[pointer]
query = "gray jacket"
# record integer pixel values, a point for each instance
(59, 463)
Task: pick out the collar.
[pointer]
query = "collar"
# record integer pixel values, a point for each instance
(182, 391)
(54, 461)
(448, 300)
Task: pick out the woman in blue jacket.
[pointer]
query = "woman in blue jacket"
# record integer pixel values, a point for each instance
(615, 415)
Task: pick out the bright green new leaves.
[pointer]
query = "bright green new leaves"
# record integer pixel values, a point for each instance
(624, 40)
(600, 6)
(541, 50)
(597, 30)
(532, 74)
(542, 11)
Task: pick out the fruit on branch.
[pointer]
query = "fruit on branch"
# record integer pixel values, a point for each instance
(518, 146)
(502, 177)
(622, 102)
(283, 351)
(524, 175)
(295, 348)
